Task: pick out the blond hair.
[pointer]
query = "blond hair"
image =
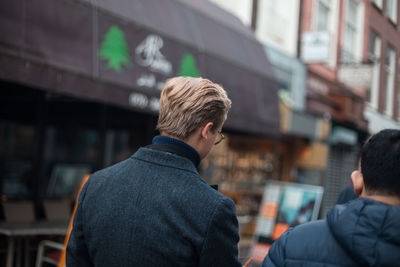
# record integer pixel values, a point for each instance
(187, 103)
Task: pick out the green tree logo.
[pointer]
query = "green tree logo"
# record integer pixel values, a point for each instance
(115, 50)
(188, 66)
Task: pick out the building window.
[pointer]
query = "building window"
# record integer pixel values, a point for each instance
(323, 16)
(374, 53)
(352, 31)
(120, 144)
(390, 58)
(16, 156)
(391, 10)
(378, 3)
(325, 21)
(240, 8)
(398, 99)
(70, 152)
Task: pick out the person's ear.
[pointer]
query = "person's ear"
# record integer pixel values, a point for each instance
(206, 128)
(358, 182)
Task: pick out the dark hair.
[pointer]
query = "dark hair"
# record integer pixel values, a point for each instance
(380, 163)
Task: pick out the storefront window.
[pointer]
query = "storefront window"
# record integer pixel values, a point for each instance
(118, 146)
(69, 154)
(241, 166)
(285, 79)
(16, 154)
(238, 169)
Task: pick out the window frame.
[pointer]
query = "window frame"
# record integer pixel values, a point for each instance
(353, 22)
(391, 11)
(327, 18)
(332, 23)
(389, 69)
(377, 3)
(375, 57)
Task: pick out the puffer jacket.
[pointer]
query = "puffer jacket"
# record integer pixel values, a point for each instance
(362, 232)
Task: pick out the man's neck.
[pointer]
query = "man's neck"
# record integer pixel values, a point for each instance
(389, 200)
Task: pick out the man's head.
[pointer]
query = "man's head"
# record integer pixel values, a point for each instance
(380, 164)
(187, 105)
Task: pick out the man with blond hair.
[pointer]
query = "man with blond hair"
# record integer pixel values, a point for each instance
(154, 209)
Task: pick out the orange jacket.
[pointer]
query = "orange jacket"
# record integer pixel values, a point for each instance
(61, 262)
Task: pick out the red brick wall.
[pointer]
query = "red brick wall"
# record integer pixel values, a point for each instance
(389, 34)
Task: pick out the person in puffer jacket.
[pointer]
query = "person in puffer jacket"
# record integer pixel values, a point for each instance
(362, 232)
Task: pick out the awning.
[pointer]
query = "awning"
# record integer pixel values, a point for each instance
(121, 52)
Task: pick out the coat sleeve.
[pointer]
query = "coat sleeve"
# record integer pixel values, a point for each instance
(220, 247)
(276, 254)
(77, 252)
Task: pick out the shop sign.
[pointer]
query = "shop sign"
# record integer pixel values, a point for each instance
(148, 54)
(143, 101)
(149, 80)
(114, 49)
(188, 66)
(145, 67)
(315, 47)
(284, 205)
(356, 76)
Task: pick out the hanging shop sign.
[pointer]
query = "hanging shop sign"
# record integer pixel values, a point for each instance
(315, 47)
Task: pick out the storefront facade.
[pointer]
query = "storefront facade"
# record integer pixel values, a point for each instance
(304, 134)
(80, 84)
(348, 131)
(50, 141)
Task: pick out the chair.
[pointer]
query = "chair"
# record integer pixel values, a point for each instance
(18, 211)
(18, 215)
(57, 210)
(45, 256)
(57, 257)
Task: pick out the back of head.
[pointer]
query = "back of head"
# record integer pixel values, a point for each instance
(380, 163)
(187, 103)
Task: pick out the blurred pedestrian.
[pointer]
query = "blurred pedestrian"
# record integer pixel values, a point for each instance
(362, 232)
(346, 195)
(154, 209)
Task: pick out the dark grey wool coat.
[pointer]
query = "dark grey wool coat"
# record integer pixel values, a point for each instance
(153, 209)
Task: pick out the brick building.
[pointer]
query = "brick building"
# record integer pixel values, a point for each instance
(382, 47)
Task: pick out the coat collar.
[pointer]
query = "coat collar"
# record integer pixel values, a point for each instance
(168, 159)
(177, 147)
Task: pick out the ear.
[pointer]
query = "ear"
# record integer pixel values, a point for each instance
(206, 129)
(358, 182)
